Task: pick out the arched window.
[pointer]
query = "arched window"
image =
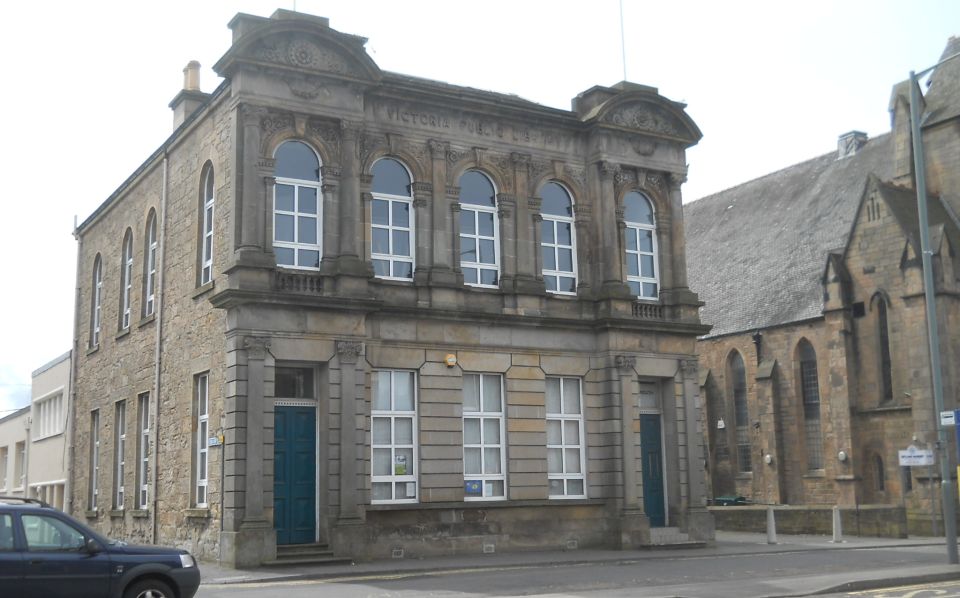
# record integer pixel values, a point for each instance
(883, 342)
(297, 211)
(738, 385)
(558, 240)
(96, 300)
(479, 230)
(150, 266)
(879, 476)
(641, 237)
(206, 239)
(810, 389)
(391, 222)
(126, 279)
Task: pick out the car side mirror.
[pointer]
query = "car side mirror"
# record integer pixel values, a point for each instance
(92, 546)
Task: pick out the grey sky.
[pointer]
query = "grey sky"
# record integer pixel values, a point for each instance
(86, 85)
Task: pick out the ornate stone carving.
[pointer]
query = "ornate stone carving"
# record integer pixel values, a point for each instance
(520, 160)
(438, 149)
(506, 204)
(503, 163)
(621, 176)
(582, 212)
(625, 362)
(301, 53)
(252, 115)
(424, 190)
(620, 213)
(273, 123)
(538, 168)
(331, 171)
(608, 169)
(306, 89)
(676, 179)
(366, 180)
(328, 188)
(645, 117)
(534, 204)
(349, 351)
(453, 192)
(256, 346)
(419, 203)
(266, 164)
(328, 132)
(455, 155)
(644, 147)
(577, 175)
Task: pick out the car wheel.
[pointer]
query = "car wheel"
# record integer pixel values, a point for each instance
(149, 588)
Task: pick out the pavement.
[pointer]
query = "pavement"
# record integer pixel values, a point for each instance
(727, 544)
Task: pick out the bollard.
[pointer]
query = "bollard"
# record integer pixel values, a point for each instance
(771, 527)
(837, 525)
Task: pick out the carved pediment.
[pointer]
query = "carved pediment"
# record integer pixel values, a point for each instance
(307, 48)
(644, 117)
(645, 112)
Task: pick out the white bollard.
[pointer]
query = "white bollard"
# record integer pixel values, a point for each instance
(771, 527)
(837, 525)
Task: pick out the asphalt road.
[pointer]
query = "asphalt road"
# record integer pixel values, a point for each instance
(716, 576)
(928, 590)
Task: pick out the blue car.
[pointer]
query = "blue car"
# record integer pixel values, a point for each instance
(45, 553)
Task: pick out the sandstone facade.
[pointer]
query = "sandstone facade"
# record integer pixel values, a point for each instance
(264, 383)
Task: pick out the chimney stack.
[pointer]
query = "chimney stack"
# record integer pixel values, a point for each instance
(190, 97)
(850, 143)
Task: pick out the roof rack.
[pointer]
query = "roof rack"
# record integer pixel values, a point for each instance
(25, 500)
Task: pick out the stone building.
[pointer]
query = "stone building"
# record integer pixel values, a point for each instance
(815, 373)
(354, 309)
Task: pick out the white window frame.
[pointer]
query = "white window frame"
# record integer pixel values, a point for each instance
(392, 257)
(206, 241)
(202, 454)
(119, 453)
(94, 489)
(48, 415)
(4, 469)
(483, 415)
(633, 229)
(296, 245)
(150, 271)
(563, 446)
(392, 415)
(476, 209)
(20, 465)
(127, 283)
(556, 246)
(143, 451)
(95, 322)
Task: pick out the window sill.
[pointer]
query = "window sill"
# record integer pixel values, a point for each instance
(815, 473)
(197, 513)
(91, 514)
(116, 513)
(147, 320)
(93, 349)
(203, 289)
(122, 334)
(140, 513)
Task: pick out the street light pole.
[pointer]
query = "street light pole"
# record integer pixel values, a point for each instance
(933, 337)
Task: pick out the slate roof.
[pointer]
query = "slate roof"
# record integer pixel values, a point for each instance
(756, 252)
(902, 202)
(943, 96)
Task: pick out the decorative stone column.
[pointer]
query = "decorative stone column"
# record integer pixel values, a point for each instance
(443, 239)
(349, 257)
(506, 212)
(679, 265)
(422, 194)
(349, 353)
(610, 234)
(586, 251)
(254, 540)
(634, 523)
(453, 196)
(331, 220)
(699, 521)
(250, 196)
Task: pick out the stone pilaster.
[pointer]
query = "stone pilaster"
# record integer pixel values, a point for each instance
(610, 234)
(349, 353)
(251, 196)
(423, 218)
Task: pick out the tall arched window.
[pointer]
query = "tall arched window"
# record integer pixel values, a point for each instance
(126, 280)
(392, 221)
(297, 211)
(479, 230)
(880, 477)
(96, 300)
(558, 240)
(150, 266)
(641, 253)
(810, 389)
(206, 239)
(738, 384)
(883, 343)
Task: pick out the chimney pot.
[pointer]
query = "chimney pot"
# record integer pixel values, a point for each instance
(191, 76)
(850, 143)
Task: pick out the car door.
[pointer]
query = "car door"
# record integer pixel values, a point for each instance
(57, 561)
(11, 560)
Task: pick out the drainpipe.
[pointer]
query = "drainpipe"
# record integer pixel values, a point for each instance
(158, 342)
(74, 350)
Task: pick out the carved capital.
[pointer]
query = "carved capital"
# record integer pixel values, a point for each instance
(331, 172)
(504, 212)
(250, 115)
(366, 197)
(675, 179)
(269, 181)
(534, 203)
(350, 130)
(689, 368)
(537, 217)
(506, 199)
(625, 362)
(366, 180)
(455, 207)
(453, 192)
(422, 189)
(266, 164)
(438, 149)
(349, 351)
(520, 160)
(608, 169)
(620, 212)
(328, 188)
(256, 347)
(420, 202)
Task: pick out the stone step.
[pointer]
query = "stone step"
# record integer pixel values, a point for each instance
(291, 561)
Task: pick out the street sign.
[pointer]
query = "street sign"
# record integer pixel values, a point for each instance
(915, 457)
(948, 418)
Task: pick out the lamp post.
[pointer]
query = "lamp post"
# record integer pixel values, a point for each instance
(933, 337)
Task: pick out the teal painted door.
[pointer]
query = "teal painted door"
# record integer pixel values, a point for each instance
(651, 452)
(294, 475)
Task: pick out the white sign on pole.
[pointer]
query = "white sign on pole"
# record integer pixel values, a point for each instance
(948, 418)
(914, 457)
